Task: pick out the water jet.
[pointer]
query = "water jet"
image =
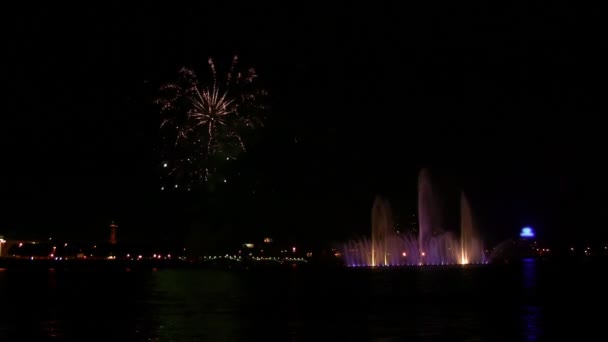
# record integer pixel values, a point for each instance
(431, 246)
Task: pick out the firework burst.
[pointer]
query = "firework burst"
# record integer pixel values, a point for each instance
(203, 123)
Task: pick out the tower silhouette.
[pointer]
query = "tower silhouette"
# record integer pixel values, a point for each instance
(113, 227)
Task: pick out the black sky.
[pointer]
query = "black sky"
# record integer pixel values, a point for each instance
(505, 102)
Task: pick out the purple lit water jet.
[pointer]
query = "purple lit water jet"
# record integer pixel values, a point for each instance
(432, 245)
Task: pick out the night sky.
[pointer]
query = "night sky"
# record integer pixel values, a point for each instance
(503, 102)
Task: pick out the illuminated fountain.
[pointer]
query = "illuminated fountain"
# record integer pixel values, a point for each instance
(432, 246)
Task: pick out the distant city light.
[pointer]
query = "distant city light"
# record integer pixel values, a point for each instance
(165, 165)
(526, 232)
(293, 249)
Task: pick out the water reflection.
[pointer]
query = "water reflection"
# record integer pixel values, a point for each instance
(531, 312)
(196, 305)
(530, 319)
(452, 304)
(64, 305)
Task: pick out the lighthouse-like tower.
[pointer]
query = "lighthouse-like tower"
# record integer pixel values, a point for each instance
(113, 227)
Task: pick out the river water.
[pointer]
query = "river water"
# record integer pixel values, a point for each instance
(528, 301)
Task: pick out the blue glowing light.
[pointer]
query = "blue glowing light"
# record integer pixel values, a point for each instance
(526, 232)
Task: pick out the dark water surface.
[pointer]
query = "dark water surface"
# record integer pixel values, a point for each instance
(525, 302)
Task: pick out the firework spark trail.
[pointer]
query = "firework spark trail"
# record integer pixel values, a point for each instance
(202, 120)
